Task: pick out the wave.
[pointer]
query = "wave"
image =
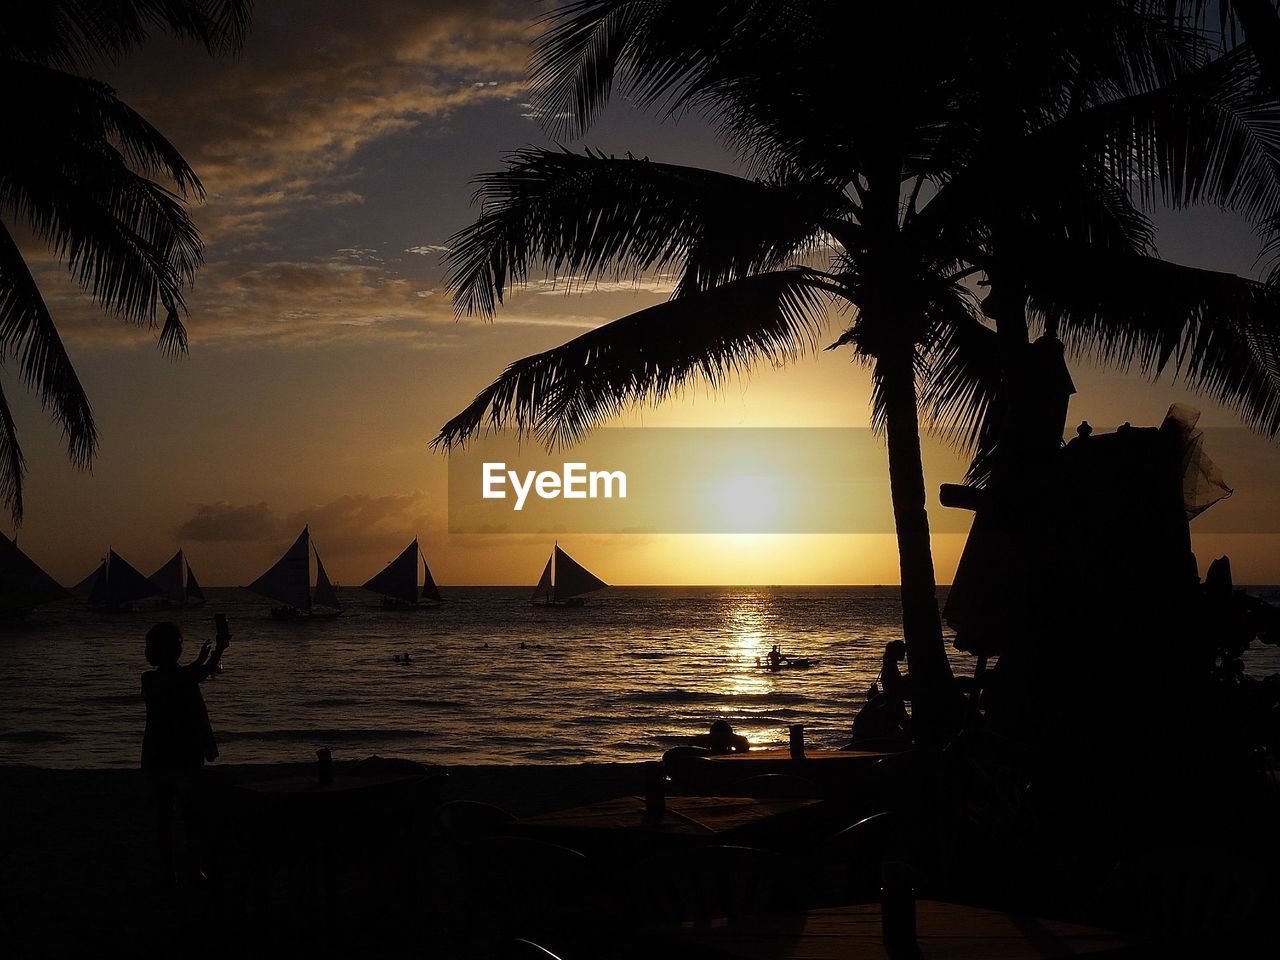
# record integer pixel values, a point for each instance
(35, 736)
(559, 753)
(425, 703)
(323, 735)
(707, 696)
(330, 702)
(119, 699)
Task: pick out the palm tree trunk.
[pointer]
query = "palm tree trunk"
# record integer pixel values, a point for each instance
(921, 624)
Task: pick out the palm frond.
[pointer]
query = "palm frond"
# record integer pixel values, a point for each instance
(173, 334)
(589, 217)
(660, 50)
(1218, 333)
(51, 114)
(27, 332)
(75, 34)
(1208, 137)
(1212, 136)
(559, 395)
(13, 466)
(962, 388)
(128, 242)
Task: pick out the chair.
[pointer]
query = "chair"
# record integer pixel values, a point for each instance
(691, 769)
(707, 883)
(846, 867)
(465, 820)
(522, 949)
(776, 786)
(376, 766)
(518, 887)
(676, 754)
(906, 781)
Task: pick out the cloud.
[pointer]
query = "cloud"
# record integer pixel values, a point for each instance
(240, 304)
(352, 523)
(280, 127)
(350, 297)
(426, 249)
(214, 522)
(357, 522)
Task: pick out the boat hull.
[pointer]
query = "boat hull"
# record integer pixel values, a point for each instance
(802, 664)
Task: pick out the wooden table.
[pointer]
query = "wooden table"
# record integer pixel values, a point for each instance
(945, 931)
(781, 761)
(836, 772)
(621, 822)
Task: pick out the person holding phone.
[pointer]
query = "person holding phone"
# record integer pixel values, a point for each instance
(178, 737)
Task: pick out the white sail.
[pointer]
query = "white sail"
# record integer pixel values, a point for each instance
(325, 595)
(169, 579)
(542, 592)
(572, 579)
(289, 580)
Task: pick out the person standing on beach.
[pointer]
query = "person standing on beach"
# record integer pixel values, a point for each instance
(178, 737)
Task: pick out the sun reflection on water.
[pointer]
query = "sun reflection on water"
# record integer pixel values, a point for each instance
(746, 638)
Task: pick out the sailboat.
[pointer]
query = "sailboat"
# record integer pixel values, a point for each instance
(398, 580)
(289, 582)
(564, 581)
(23, 585)
(177, 583)
(116, 584)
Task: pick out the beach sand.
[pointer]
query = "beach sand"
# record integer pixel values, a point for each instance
(77, 864)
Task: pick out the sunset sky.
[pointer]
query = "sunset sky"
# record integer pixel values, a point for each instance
(336, 152)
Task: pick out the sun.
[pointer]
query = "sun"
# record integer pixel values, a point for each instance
(747, 502)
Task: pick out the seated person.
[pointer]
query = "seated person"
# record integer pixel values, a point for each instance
(883, 721)
(722, 739)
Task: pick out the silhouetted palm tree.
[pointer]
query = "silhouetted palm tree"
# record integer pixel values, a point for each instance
(80, 172)
(897, 152)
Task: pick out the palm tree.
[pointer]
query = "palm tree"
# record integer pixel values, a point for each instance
(902, 197)
(81, 173)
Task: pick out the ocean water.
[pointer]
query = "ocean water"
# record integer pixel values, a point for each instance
(634, 672)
